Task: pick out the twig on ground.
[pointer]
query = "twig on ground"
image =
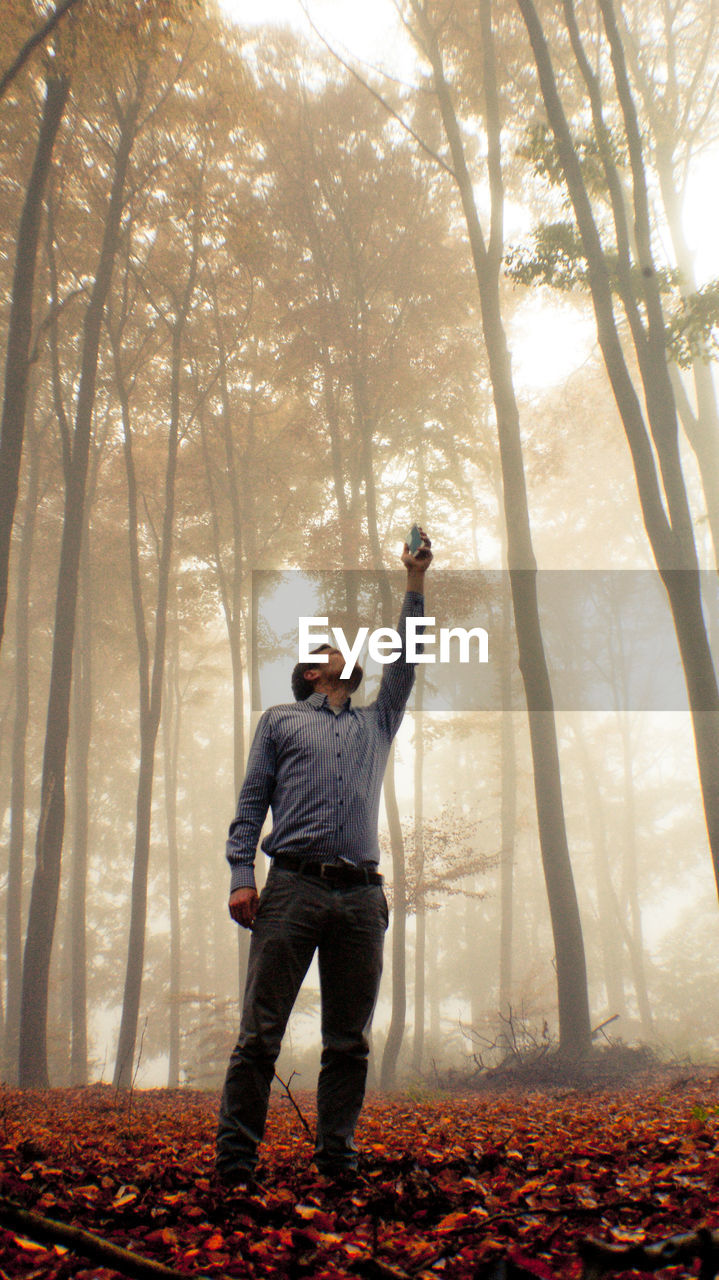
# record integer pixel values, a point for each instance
(35, 1227)
(133, 1082)
(286, 1087)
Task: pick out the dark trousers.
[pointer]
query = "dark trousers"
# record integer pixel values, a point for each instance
(297, 916)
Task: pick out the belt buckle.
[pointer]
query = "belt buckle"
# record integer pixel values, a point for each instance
(327, 869)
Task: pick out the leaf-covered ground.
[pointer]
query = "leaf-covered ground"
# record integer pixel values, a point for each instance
(450, 1183)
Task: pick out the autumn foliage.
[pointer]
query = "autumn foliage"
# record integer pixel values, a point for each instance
(449, 1185)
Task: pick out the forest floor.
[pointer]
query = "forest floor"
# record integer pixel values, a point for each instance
(499, 1185)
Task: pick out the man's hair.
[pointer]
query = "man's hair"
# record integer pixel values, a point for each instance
(302, 688)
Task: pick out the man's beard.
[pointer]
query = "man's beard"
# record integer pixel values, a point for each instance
(354, 681)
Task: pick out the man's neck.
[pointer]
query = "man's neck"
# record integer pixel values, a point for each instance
(337, 695)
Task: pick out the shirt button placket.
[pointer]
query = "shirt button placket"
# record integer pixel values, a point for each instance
(339, 777)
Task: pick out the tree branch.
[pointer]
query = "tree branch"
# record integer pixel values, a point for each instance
(32, 42)
(286, 1087)
(378, 96)
(35, 1227)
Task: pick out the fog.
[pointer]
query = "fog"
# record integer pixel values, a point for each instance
(260, 315)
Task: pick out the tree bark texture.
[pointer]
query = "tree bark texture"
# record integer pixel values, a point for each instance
(508, 815)
(395, 1033)
(80, 758)
(171, 743)
(420, 910)
(13, 904)
(19, 336)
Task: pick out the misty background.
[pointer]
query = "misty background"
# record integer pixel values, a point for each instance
(263, 310)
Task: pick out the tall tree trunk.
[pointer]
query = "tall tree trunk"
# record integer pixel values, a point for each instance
(607, 904)
(13, 950)
(669, 527)
(150, 711)
(33, 1071)
(630, 882)
(57, 90)
(420, 911)
(701, 425)
(435, 991)
(396, 1030)
(395, 1034)
(573, 1001)
(702, 428)
(231, 594)
(508, 818)
(171, 742)
(80, 759)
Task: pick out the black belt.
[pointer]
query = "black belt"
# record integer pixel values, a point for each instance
(332, 872)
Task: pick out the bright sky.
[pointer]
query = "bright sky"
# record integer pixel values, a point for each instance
(370, 31)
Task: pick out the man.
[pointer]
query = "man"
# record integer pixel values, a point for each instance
(319, 763)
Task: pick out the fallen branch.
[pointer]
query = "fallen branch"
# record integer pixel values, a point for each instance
(602, 1025)
(85, 1243)
(600, 1258)
(286, 1087)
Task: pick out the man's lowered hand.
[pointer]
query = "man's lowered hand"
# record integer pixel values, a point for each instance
(243, 906)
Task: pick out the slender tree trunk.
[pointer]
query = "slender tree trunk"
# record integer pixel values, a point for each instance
(702, 430)
(669, 527)
(435, 992)
(630, 883)
(611, 945)
(508, 820)
(171, 743)
(574, 1021)
(396, 1030)
(420, 912)
(80, 748)
(395, 1034)
(150, 711)
(57, 90)
(13, 950)
(33, 1071)
(232, 596)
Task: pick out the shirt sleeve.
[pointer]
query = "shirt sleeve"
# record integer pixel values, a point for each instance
(398, 676)
(252, 805)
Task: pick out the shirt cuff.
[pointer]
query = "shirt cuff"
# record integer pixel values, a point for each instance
(242, 877)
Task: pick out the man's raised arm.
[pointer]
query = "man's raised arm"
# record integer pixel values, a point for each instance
(398, 677)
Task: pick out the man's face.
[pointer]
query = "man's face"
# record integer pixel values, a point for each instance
(334, 666)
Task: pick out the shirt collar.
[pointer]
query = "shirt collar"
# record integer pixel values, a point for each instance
(317, 699)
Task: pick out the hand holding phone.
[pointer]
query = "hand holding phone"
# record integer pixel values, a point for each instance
(418, 548)
(414, 541)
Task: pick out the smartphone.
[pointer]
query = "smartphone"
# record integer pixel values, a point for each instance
(414, 541)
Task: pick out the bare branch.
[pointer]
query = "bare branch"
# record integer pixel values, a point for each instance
(286, 1087)
(378, 96)
(32, 42)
